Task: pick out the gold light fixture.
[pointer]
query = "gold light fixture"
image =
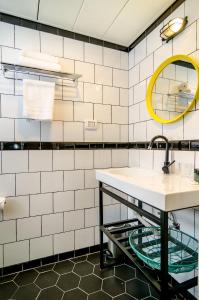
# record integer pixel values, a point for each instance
(172, 28)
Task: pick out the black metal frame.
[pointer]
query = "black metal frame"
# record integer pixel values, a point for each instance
(167, 286)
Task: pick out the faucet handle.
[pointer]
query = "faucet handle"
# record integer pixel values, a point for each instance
(171, 163)
(165, 168)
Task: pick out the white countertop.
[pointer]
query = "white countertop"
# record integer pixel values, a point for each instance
(164, 191)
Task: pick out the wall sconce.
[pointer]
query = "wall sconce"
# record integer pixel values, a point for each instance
(172, 28)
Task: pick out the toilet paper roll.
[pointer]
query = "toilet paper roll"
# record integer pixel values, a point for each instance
(2, 202)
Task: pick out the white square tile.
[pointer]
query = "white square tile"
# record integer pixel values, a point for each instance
(84, 199)
(134, 158)
(191, 125)
(158, 160)
(26, 38)
(27, 183)
(7, 34)
(111, 213)
(64, 242)
(153, 40)
(124, 60)
(131, 96)
(51, 181)
(146, 67)
(131, 133)
(63, 160)
(41, 247)
(52, 131)
(7, 231)
(73, 180)
(86, 70)
(191, 10)
(111, 133)
(112, 58)
(140, 51)
(131, 58)
(84, 238)
(153, 128)
(124, 133)
(93, 135)
(102, 113)
(174, 131)
(120, 158)
(63, 111)
(40, 160)
(14, 161)
(124, 97)
(83, 111)
(7, 185)
(16, 207)
(92, 217)
(102, 159)
(162, 53)
(120, 78)
(73, 220)
(52, 223)
(120, 115)
(146, 159)
(73, 49)
(52, 44)
(134, 113)
(73, 132)
(140, 131)
(103, 75)
(83, 159)
(134, 75)
(64, 201)
(41, 204)
(110, 95)
(28, 228)
(20, 250)
(67, 65)
(11, 106)
(27, 130)
(90, 179)
(6, 85)
(180, 44)
(140, 91)
(6, 129)
(144, 114)
(92, 93)
(93, 53)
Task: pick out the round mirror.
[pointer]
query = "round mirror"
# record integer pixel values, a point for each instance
(173, 89)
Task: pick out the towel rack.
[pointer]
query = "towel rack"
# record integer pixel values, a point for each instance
(19, 68)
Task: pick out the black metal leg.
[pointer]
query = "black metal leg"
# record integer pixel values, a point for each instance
(101, 221)
(164, 256)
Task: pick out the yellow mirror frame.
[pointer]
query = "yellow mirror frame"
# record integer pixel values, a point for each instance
(153, 81)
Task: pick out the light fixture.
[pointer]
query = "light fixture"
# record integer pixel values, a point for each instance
(172, 28)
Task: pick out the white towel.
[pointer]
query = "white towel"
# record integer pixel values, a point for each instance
(38, 99)
(40, 56)
(40, 64)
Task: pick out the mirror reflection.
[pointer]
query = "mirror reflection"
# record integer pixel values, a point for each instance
(174, 89)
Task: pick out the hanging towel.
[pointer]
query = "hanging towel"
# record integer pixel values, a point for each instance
(38, 99)
(39, 64)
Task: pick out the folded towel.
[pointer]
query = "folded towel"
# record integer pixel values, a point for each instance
(39, 64)
(38, 99)
(40, 56)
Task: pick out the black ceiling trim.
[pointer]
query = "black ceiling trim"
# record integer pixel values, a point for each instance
(157, 22)
(69, 34)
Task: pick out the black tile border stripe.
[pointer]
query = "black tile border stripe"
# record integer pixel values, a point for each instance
(11, 19)
(189, 145)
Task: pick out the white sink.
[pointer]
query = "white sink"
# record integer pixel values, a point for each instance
(164, 191)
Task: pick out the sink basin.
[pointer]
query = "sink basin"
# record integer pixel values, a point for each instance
(165, 192)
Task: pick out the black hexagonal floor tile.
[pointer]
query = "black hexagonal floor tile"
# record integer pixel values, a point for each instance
(137, 288)
(94, 258)
(124, 272)
(83, 268)
(51, 293)
(63, 267)
(7, 290)
(7, 278)
(29, 291)
(79, 258)
(124, 297)
(99, 296)
(68, 281)
(104, 273)
(90, 283)
(45, 268)
(75, 294)
(46, 279)
(26, 277)
(113, 286)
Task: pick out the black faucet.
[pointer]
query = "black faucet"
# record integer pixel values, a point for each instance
(167, 163)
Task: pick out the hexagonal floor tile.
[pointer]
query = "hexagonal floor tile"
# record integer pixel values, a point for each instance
(79, 258)
(26, 277)
(63, 267)
(29, 291)
(99, 296)
(90, 284)
(137, 288)
(68, 281)
(46, 279)
(104, 273)
(124, 297)
(51, 293)
(75, 294)
(7, 290)
(94, 258)
(7, 278)
(45, 268)
(113, 286)
(83, 268)
(125, 272)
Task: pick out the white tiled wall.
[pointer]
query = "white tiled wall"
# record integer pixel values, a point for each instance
(52, 196)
